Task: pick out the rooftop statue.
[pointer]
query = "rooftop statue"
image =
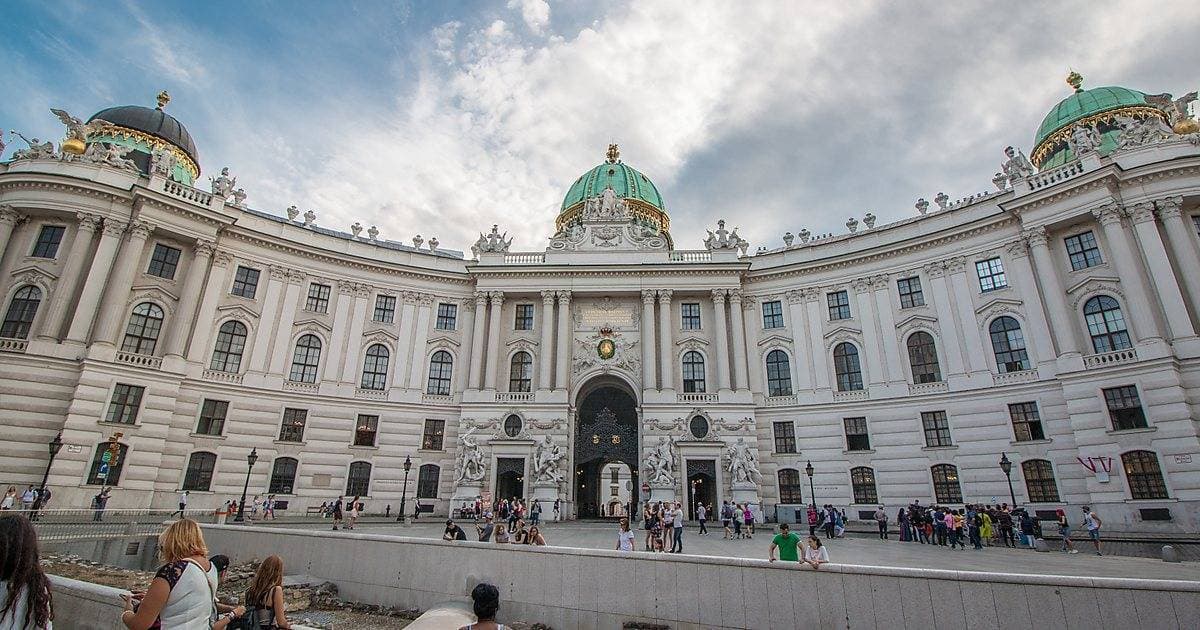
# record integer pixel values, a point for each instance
(222, 185)
(2, 145)
(162, 162)
(1176, 111)
(1135, 133)
(606, 207)
(1017, 166)
(37, 150)
(77, 131)
(492, 242)
(114, 155)
(724, 239)
(1084, 139)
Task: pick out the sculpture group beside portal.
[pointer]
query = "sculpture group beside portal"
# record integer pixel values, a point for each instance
(471, 465)
(548, 459)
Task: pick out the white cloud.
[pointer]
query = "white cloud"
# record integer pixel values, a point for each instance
(536, 13)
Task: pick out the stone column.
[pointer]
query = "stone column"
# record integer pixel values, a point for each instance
(9, 219)
(477, 340)
(801, 341)
(882, 286)
(721, 337)
(276, 279)
(352, 365)
(1038, 338)
(666, 355)
(189, 296)
(68, 282)
(1183, 246)
(649, 363)
(546, 342)
(944, 306)
(283, 327)
(563, 353)
(756, 372)
(112, 310)
(1062, 323)
(202, 333)
(495, 351)
(876, 369)
(817, 355)
(972, 337)
(93, 286)
(1163, 276)
(738, 324)
(1137, 304)
(462, 372)
(420, 340)
(408, 309)
(338, 350)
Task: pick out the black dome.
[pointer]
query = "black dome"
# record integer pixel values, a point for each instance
(155, 122)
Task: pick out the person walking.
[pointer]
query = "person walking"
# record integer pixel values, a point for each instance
(1006, 528)
(1064, 530)
(702, 517)
(881, 520)
(10, 498)
(726, 520)
(813, 519)
(557, 510)
(677, 521)
(535, 513)
(337, 513)
(624, 536)
(786, 542)
(738, 517)
(748, 515)
(902, 525)
(816, 554)
(99, 503)
(27, 498)
(352, 513)
(648, 525)
(183, 498)
(24, 587)
(1093, 523)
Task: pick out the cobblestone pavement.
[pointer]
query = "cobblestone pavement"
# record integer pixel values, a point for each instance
(869, 551)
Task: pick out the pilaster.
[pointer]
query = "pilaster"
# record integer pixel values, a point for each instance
(666, 374)
(649, 361)
(64, 290)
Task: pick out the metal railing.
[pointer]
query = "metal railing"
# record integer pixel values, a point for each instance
(89, 524)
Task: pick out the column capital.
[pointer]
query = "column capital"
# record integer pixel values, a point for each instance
(564, 297)
(346, 287)
(278, 272)
(408, 297)
(648, 296)
(296, 277)
(664, 296)
(881, 282)
(795, 296)
(497, 297)
(935, 269)
(810, 293)
(861, 285)
(958, 264)
(1036, 236)
(735, 296)
(1169, 207)
(1142, 212)
(718, 296)
(424, 298)
(205, 248)
(113, 228)
(547, 298)
(364, 290)
(1108, 214)
(140, 229)
(222, 258)
(10, 216)
(481, 298)
(88, 222)
(749, 302)
(1017, 248)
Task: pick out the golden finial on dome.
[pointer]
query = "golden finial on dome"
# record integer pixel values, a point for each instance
(163, 99)
(613, 153)
(1075, 80)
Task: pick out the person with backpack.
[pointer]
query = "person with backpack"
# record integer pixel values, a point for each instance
(264, 599)
(1064, 530)
(881, 519)
(1093, 523)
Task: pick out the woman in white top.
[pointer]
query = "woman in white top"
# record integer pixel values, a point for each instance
(182, 595)
(815, 554)
(10, 498)
(352, 513)
(24, 589)
(625, 537)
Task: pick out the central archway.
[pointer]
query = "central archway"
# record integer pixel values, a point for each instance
(606, 432)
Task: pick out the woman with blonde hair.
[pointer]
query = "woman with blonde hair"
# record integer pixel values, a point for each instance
(265, 595)
(182, 595)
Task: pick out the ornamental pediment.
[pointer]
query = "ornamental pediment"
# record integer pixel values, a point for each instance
(154, 291)
(774, 340)
(32, 274)
(443, 340)
(313, 323)
(236, 310)
(1007, 304)
(380, 335)
(843, 332)
(1090, 280)
(522, 343)
(914, 320)
(692, 342)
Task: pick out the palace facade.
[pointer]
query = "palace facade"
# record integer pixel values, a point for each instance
(1052, 322)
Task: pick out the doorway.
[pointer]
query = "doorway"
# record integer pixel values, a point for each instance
(510, 477)
(702, 485)
(606, 441)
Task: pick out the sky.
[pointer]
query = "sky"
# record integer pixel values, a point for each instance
(443, 118)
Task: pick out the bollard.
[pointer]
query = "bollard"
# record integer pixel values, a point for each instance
(1169, 554)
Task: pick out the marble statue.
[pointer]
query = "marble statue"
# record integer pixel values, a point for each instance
(922, 206)
(660, 463)
(1084, 139)
(788, 239)
(417, 240)
(852, 225)
(1176, 111)
(999, 181)
(493, 242)
(222, 185)
(742, 463)
(293, 212)
(1135, 133)
(37, 150)
(869, 221)
(942, 200)
(356, 229)
(548, 459)
(239, 197)
(114, 155)
(724, 239)
(1017, 166)
(433, 244)
(310, 217)
(373, 233)
(805, 235)
(77, 130)
(2, 144)
(606, 207)
(162, 162)
(471, 468)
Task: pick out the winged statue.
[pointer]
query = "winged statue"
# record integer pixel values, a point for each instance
(1175, 109)
(76, 128)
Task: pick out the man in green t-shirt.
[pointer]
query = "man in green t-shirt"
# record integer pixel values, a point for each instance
(786, 542)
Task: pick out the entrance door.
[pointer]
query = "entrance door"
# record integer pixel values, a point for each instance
(702, 485)
(606, 433)
(510, 478)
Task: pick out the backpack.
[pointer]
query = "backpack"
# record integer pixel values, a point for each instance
(253, 619)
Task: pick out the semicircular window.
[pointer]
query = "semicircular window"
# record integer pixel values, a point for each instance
(512, 426)
(699, 427)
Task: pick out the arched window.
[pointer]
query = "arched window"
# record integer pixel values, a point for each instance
(1106, 324)
(358, 482)
(513, 425)
(441, 365)
(791, 491)
(107, 473)
(21, 310)
(144, 325)
(1144, 475)
(779, 374)
(231, 343)
(199, 471)
(1008, 344)
(283, 476)
(945, 484)
(1039, 481)
(862, 481)
(922, 356)
(306, 359)
(520, 372)
(375, 368)
(427, 481)
(693, 372)
(847, 367)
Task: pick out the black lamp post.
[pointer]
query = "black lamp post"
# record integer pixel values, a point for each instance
(250, 459)
(812, 493)
(404, 488)
(55, 447)
(1006, 466)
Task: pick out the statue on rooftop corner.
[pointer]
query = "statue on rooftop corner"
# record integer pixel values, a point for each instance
(310, 217)
(222, 185)
(1176, 111)
(492, 242)
(239, 197)
(1084, 139)
(724, 239)
(1017, 166)
(162, 162)
(37, 150)
(356, 229)
(922, 206)
(1135, 133)
(293, 212)
(942, 200)
(77, 131)
(114, 155)
(373, 233)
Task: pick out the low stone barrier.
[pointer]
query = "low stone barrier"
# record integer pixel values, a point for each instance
(583, 588)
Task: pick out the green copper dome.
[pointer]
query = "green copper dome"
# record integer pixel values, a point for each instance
(1086, 103)
(1096, 106)
(626, 181)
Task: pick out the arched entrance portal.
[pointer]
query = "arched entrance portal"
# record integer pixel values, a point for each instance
(606, 432)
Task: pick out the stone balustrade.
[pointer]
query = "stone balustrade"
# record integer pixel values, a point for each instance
(779, 401)
(370, 394)
(510, 397)
(139, 360)
(524, 258)
(916, 389)
(695, 398)
(437, 399)
(187, 193)
(13, 345)
(687, 256)
(1055, 175)
(1008, 378)
(221, 377)
(854, 394)
(304, 388)
(1105, 359)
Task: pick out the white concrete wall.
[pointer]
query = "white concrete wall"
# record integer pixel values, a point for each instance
(582, 589)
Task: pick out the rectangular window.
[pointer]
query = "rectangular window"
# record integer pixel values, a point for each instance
(385, 309)
(772, 314)
(49, 238)
(431, 440)
(1196, 223)
(910, 292)
(856, 434)
(937, 428)
(447, 316)
(991, 274)
(164, 261)
(365, 430)
(245, 282)
(212, 417)
(785, 437)
(1125, 408)
(292, 429)
(318, 298)
(126, 401)
(1027, 423)
(839, 305)
(524, 319)
(1083, 251)
(690, 312)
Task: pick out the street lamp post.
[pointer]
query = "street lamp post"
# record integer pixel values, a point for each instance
(404, 488)
(250, 459)
(1006, 466)
(812, 493)
(55, 446)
